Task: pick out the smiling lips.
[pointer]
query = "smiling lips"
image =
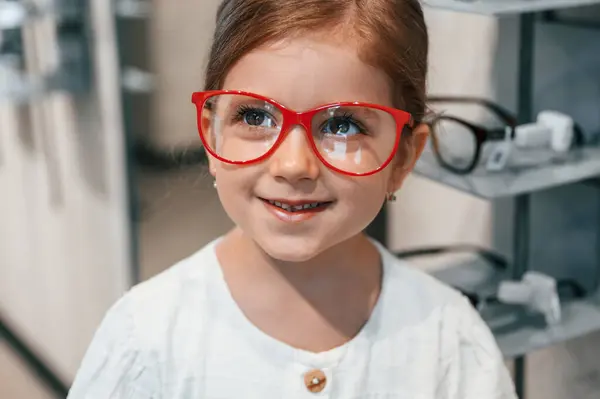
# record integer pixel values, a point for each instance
(295, 211)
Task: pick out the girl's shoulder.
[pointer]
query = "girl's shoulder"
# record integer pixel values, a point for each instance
(409, 284)
(148, 326)
(422, 309)
(189, 273)
(175, 298)
(430, 317)
(418, 304)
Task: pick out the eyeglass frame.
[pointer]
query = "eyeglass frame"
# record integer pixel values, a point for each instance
(293, 118)
(481, 133)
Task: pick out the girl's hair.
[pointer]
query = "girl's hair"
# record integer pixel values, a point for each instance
(389, 34)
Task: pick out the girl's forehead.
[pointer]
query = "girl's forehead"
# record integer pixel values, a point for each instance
(303, 73)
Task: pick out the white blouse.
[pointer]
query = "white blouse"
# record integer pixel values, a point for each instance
(180, 335)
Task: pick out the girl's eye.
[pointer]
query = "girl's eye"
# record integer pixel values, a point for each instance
(255, 117)
(342, 126)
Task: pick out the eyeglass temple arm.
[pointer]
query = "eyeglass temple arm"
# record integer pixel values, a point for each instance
(501, 112)
(496, 134)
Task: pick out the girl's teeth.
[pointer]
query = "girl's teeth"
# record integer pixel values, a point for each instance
(294, 208)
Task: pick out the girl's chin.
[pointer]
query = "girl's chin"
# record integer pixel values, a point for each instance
(301, 248)
(292, 249)
(292, 255)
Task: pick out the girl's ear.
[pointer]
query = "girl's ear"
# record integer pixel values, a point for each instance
(412, 146)
(205, 119)
(212, 165)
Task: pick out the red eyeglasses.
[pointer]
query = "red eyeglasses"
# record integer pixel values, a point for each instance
(352, 138)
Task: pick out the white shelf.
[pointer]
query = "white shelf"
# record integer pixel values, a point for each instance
(500, 7)
(578, 165)
(518, 332)
(579, 318)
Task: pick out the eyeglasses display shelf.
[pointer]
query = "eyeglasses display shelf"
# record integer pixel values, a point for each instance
(578, 165)
(504, 7)
(520, 332)
(546, 232)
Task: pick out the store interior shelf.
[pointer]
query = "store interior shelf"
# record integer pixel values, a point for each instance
(499, 7)
(519, 332)
(580, 164)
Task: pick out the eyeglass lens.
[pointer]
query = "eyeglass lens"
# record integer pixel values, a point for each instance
(456, 143)
(355, 139)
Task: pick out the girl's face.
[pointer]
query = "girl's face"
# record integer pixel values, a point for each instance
(302, 74)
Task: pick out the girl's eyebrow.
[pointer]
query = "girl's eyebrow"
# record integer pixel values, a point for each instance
(367, 113)
(363, 112)
(252, 102)
(246, 100)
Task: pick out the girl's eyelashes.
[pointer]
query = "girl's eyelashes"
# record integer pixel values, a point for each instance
(345, 125)
(340, 125)
(253, 116)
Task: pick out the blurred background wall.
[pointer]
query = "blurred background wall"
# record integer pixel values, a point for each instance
(64, 229)
(179, 211)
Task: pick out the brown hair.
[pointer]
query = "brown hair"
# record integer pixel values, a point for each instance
(390, 35)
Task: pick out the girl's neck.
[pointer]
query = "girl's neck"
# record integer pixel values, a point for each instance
(333, 294)
(356, 256)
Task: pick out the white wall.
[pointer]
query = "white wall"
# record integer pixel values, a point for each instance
(64, 245)
(180, 38)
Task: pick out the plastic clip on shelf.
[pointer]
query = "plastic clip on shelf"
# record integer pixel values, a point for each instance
(537, 292)
(17, 87)
(505, 7)
(133, 9)
(552, 129)
(72, 70)
(13, 15)
(16, 14)
(135, 80)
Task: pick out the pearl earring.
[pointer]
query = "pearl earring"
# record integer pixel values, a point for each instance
(215, 184)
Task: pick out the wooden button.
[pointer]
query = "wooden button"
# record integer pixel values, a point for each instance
(315, 381)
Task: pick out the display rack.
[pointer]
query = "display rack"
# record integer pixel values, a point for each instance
(579, 165)
(506, 7)
(518, 332)
(73, 75)
(580, 317)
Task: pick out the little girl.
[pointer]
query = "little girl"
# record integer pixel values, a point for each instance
(312, 120)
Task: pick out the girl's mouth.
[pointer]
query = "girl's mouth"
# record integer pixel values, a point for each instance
(295, 211)
(298, 207)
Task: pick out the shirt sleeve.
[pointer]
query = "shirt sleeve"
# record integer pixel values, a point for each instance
(114, 367)
(480, 368)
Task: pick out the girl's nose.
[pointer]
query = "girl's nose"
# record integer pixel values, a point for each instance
(295, 159)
